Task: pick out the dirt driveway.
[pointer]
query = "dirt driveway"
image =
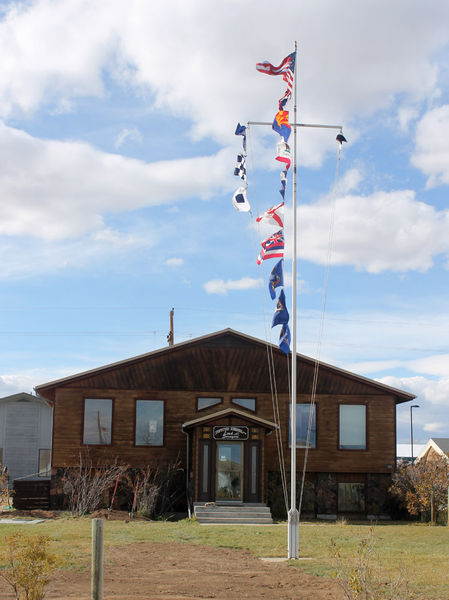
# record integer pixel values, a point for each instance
(175, 571)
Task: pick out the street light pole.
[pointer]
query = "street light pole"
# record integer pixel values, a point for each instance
(411, 429)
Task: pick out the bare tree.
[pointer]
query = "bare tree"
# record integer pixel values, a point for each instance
(422, 487)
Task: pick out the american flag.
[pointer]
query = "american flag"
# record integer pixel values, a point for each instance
(272, 247)
(286, 69)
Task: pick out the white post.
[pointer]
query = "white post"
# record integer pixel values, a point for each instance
(293, 513)
(97, 560)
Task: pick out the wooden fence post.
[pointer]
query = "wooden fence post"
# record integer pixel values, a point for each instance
(97, 560)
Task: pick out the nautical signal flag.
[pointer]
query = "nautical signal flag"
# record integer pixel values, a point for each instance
(241, 130)
(281, 125)
(283, 183)
(273, 216)
(281, 315)
(276, 278)
(240, 201)
(272, 247)
(240, 168)
(284, 339)
(283, 154)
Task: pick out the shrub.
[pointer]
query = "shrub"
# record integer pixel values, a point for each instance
(87, 484)
(29, 564)
(361, 576)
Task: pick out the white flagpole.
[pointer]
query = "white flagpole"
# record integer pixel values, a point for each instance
(293, 513)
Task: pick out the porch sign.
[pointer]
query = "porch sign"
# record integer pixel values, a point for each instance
(230, 433)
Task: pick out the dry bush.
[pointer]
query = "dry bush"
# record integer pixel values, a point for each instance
(361, 576)
(87, 484)
(5, 492)
(422, 487)
(29, 564)
(153, 490)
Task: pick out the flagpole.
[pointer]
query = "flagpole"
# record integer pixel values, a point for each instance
(293, 513)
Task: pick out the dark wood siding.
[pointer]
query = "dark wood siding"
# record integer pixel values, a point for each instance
(225, 366)
(179, 407)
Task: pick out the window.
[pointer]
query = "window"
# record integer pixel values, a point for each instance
(206, 402)
(149, 423)
(302, 423)
(248, 403)
(353, 426)
(351, 497)
(44, 462)
(97, 421)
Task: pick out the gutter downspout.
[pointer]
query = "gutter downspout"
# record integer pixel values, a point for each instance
(186, 433)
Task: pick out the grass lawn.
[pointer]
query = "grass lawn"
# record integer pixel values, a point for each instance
(422, 551)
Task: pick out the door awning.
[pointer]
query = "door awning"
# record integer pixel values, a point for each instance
(230, 412)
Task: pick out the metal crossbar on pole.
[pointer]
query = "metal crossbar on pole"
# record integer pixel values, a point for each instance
(315, 125)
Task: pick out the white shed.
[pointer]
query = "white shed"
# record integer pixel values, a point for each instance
(25, 436)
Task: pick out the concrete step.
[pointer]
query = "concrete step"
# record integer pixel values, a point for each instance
(258, 514)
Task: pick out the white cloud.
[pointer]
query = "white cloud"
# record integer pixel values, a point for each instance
(437, 365)
(407, 114)
(437, 427)
(350, 181)
(44, 63)
(219, 286)
(432, 417)
(431, 154)
(15, 383)
(56, 190)
(174, 262)
(132, 134)
(434, 392)
(383, 231)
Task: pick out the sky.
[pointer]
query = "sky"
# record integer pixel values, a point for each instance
(117, 153)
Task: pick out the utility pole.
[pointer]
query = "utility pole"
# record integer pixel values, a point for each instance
(171, 333)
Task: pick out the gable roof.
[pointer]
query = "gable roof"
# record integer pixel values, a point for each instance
(225, 361)
(439, 445)
(25, 397)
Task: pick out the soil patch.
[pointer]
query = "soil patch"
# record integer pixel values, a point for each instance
(176, 571)
(113, 515)
(34, 514)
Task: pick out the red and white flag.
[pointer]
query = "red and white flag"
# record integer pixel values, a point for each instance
(273, 216)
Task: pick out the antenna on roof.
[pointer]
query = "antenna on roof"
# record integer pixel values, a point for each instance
(171, 333)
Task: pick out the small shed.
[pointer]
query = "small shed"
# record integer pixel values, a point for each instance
(25, 436)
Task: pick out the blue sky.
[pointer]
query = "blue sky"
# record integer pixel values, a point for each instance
(117, 152)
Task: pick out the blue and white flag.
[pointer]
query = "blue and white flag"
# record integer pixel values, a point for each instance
(284, 339)
(240, 169)
(276, 279)
(283, 183)
(240, 201)
(281, 315)
(241, 130)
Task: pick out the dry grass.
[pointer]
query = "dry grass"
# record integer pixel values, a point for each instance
(421, 550)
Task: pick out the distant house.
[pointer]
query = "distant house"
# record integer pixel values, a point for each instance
(25, 436)
(435, 447)
(211, 402)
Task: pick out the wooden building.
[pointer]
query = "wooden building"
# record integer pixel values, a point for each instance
(210, 401)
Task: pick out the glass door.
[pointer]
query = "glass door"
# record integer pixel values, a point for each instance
(229, 471)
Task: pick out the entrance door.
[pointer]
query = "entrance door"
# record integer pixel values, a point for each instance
(229, 471)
